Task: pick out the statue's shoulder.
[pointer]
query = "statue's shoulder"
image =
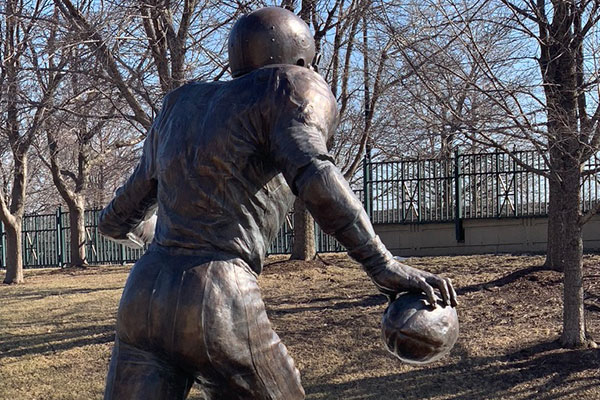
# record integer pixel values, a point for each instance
(300, 78)
(192, 90)
(299, 84)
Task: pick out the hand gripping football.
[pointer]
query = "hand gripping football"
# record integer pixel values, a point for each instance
(416, 332)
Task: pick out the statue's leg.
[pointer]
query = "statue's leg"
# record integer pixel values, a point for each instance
(242, 347)
(135, 374)
(204, 315)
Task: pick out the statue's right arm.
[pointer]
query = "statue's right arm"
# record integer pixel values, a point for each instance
(299, 147)
(339, 213)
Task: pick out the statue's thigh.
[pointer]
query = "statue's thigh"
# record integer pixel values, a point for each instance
(136, 374)
(243, 349)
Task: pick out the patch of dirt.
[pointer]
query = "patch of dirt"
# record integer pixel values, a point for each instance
(56, 332)
(510, 319)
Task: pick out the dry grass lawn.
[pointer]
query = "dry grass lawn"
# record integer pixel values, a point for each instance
(56, 332)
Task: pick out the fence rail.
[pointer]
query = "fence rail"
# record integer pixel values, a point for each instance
(466, 186)
(46, 240)
(46, 237)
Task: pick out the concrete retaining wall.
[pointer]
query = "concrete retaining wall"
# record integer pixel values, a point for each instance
(507, 235)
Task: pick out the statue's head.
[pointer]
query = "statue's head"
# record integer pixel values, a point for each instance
(270, 35)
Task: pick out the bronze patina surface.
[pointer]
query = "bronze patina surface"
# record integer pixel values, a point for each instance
(221, 166)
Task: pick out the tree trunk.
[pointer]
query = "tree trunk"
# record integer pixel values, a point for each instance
(558, 66)
(14, 253)
(569, 217)
(554, 251)
(78, 234)
(304, 233)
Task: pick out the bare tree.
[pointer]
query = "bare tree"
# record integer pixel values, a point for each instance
(147, 48)
(542, 96)
(304, 233)
(27, 87)
(82, 135)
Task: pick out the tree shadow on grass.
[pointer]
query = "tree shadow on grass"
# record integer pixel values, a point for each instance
(592, 300)
(333, 303)
(337, 303)
(505, 280)
(39, 294)
(12, 345)
(535, 373)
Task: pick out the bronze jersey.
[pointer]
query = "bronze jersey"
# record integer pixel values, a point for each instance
(222, 159)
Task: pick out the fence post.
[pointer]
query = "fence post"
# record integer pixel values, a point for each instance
(60, 254)
(122, 254)
(498, 199)
(402, 207)
(96, 235)
(420, 209)
(458, 220)
(515, 196)
(367, 198)
(2, 246)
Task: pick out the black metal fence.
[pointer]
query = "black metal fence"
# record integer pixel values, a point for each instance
(46, 239)
(466, 186)
(483, 185)
(284, 241)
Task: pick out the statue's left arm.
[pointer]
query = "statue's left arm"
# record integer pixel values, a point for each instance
(129, 217)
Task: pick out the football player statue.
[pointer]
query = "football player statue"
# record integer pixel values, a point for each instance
(221, 165)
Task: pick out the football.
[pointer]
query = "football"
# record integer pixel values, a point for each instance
(416, 332)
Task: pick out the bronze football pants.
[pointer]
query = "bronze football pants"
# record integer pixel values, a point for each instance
(184, 318)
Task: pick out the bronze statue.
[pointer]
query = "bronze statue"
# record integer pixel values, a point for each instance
(220, 167)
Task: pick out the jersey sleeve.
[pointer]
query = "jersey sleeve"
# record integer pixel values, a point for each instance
(306, 116)
(299, 146)
(136, 200)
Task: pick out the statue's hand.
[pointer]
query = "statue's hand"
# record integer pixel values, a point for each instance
(141, 235)
(393, 277)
